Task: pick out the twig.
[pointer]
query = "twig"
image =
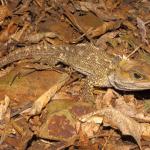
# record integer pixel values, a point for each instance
(135, 50)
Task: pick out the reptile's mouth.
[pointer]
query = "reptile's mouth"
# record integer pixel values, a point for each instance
(119, 84)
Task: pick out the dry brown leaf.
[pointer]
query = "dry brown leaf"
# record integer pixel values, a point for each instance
(142, 27)
(92, 119)
(4, 12)
(42, 101)
(111, 4)
(7, 32)
(117, 119)
(142, 117)
(145, 128)
(6, 71)
(106, 26)
(101, 42)
(83, 139)
(107, 98)
(90, 128)
(75, 22)
(125, 108)
(22, 128)
(40, 2)
(58, 123)
(97, 8)
(86, 6)
(126, 125)
(119, 146)
(4, 107)
(18, 35)
(63, 31)
(129, 25)
(4, 119)
(130, 110)
(90, 125)
(36, 37)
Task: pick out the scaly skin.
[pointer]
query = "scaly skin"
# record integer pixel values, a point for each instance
(97, 65)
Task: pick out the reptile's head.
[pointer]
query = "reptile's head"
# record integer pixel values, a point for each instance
(131, 75)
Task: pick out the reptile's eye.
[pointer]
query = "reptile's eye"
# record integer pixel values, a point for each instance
(137, 76)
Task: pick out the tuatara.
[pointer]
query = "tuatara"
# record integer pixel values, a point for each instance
(101, 69)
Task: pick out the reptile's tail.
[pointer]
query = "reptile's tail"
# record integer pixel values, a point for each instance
(29, 52)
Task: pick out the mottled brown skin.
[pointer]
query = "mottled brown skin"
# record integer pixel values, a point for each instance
(99, 67)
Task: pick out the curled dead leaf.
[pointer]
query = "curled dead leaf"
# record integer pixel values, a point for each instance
(125, 124)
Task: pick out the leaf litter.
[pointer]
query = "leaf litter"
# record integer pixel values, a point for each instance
(46, 108)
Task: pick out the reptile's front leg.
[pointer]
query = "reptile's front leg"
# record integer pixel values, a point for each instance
(87, 92)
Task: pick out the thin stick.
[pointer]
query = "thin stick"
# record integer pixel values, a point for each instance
(136, 49)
